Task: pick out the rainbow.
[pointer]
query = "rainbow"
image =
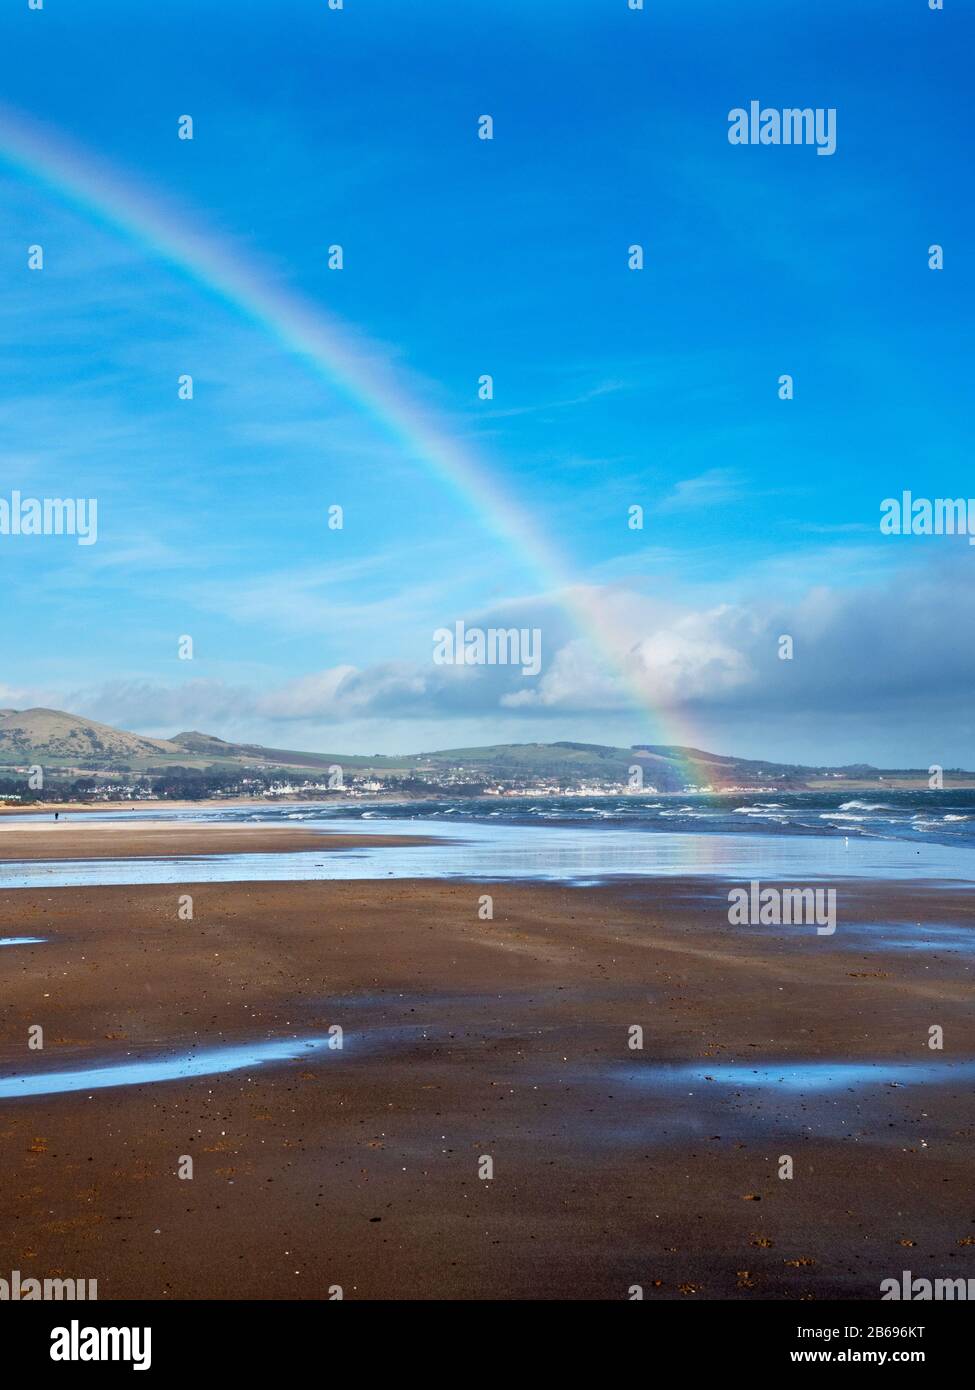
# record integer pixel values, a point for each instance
(330, 349)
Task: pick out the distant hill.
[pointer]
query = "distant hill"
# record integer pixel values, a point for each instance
(52, 734)
(69, 742)
(205, 744)
(71, 746)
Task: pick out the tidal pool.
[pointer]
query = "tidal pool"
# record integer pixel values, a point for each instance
(866, 1102)
(206, 1062)
(820, 1076)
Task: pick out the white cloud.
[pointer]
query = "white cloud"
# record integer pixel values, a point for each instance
(706, 490)
(902, 645)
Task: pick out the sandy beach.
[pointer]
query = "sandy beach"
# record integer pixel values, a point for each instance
(467, 1039)
(49, 839)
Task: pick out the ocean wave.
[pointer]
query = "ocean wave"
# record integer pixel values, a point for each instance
(909, 816)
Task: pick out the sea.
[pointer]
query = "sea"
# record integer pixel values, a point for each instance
(947, 816)
(803, 836)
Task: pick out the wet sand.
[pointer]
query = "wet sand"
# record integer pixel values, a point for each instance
(50, 839)
(464, 1039)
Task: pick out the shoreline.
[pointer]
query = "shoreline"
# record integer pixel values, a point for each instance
(852, 787)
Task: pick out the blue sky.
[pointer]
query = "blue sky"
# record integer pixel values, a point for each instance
(612, 387)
